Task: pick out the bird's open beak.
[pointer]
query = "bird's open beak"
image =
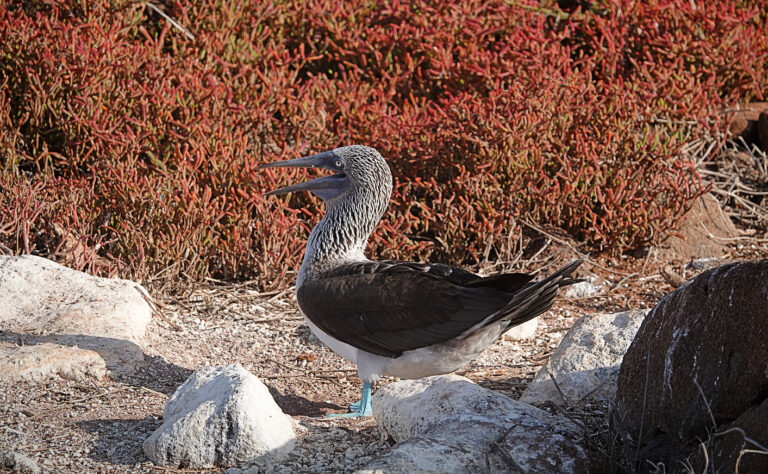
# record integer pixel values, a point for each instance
(322, 187)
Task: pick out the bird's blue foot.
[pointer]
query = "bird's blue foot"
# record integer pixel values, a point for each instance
(359, 408)
(355, 406)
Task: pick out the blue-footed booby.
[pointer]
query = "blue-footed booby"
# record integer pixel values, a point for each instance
(402, 319)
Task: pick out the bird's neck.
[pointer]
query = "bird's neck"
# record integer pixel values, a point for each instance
(342, 234)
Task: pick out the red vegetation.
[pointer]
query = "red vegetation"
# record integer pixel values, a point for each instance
(129, 148)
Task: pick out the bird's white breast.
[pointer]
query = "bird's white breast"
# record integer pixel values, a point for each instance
(343, 349)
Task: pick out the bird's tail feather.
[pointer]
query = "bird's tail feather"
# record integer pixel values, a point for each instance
(531, 300)
(538, 296)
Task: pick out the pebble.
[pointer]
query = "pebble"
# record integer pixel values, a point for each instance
(704, 263)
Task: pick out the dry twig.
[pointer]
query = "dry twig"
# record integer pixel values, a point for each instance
(173, 22)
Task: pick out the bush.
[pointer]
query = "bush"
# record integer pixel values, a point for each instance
(129, 148)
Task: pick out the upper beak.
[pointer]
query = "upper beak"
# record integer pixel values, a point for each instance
(323, 160)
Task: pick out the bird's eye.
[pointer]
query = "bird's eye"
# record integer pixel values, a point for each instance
(338, 163)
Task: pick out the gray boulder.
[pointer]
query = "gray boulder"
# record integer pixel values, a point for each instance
(221, 416)
(586, 363)
(449, 424)
(40, 361)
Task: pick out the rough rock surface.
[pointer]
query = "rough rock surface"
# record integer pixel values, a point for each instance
(43, 360)
(701, 264)
(63, 320)
(449, 424)
(705, 220)
(221, 416)
(586, 363)
(698, 365)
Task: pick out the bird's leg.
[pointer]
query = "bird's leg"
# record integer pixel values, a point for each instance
(359, 408)
(364, 402)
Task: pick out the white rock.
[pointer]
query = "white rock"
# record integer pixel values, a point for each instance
(523, 331)
(705, 263)
(583, 289)
(44, 302)
(586, 363)
(221, 416)
(40, 361)
(410, 407)
(449, 424)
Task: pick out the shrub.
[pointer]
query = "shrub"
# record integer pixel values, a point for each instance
(129, 148)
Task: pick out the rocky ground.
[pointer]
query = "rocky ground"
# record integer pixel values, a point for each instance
(99, 426)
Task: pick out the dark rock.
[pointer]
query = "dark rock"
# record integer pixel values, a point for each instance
(698, 366)
(745, 120)
(762, 130)
(733, 447)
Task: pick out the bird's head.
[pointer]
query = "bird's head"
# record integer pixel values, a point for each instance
(355, 168)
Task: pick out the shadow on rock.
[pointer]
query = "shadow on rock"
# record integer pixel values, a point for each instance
(511, 386)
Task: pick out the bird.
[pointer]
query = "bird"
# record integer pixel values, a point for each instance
(398, 318)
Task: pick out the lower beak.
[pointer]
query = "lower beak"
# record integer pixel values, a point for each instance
(325, 183)
(324, 160)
